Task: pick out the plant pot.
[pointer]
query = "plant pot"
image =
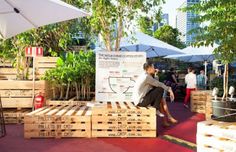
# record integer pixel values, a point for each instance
(224, 111)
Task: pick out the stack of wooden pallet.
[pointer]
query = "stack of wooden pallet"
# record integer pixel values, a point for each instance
(15, 116)
(42, 64)
(58, 122)
(208, 111)
(18, 94)
(216, 136)
(199, 100)
(123, 119)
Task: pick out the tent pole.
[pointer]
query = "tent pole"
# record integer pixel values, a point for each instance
(205, 63)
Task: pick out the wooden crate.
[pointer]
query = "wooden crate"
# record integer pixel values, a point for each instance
(66, 102)
(43, 64)
(18, 94)
(208, 111)
(123, 119)
(15, 116)
(216, 136)
(198, 101)
(58, 122)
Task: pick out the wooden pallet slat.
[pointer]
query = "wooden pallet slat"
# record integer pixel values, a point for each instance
(123, 119)
(215, 135)
(58, 122)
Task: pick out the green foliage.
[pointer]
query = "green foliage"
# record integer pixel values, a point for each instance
(221, 16)
(111, 18)
(77, 69)
(146, 23)
(169, 35)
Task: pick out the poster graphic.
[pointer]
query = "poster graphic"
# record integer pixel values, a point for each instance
(116, 73)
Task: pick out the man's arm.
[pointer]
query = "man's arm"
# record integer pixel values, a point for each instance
(174, 78)
(150, 80)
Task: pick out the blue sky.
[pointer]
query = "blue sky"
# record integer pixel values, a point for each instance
(170, 7)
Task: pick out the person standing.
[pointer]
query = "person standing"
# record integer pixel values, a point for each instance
(171, 76)
(201, 80)
(191, 81)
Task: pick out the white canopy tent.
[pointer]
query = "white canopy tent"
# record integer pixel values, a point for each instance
(17, 16)
(140, 42)
(196, 54)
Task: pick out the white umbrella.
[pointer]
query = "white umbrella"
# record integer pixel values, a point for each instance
(17, 16)
(141, 42)
(196, 54)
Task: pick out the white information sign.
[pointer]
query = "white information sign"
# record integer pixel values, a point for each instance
(116, 73)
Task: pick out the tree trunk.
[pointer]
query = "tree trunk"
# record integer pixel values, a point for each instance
(67, 90)
(76, 90)
(226, 81)
(61, 92)
(53, 93)
(119, 31)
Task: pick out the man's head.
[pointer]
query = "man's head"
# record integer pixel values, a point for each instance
(202, 72)
(149, 68)
(190, 69)
(172, 70)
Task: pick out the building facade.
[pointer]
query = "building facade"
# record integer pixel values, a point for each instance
(184, 22)
(164, 21)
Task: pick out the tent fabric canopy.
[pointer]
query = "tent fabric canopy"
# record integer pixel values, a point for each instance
(195, 54)
(17, 16)
(140, 42)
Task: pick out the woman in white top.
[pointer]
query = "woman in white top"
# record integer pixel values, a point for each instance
(191, 81)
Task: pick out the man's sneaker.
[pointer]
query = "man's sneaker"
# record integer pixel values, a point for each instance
(160, 114)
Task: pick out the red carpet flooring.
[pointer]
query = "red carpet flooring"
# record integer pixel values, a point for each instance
(187, 126)
(186, 129)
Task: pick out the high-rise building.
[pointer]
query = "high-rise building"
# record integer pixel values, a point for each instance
(184, 22)
(164, 21)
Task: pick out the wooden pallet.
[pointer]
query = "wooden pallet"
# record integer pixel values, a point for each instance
(208, 110)
(199, 100)
(123, 119)
(58, 122)
(216, 136)
(42, 64)
(123, 133)
(18, 94)
(68, 102)
(15, 116)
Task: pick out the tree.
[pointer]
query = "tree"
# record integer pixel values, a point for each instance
(169, 35)
(54, 38)
(221, 16)
(113, 17)
(146, 23)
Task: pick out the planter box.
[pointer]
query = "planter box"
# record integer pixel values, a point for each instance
(199, 100)
(42, 64)
(216, 136)
(14, 116)
(123, 119)
(224, 110)
(58, 122)
(18, 94)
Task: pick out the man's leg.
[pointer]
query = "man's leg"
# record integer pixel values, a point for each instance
(153, 97)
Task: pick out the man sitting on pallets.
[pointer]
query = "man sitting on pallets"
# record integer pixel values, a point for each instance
(149, 91)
